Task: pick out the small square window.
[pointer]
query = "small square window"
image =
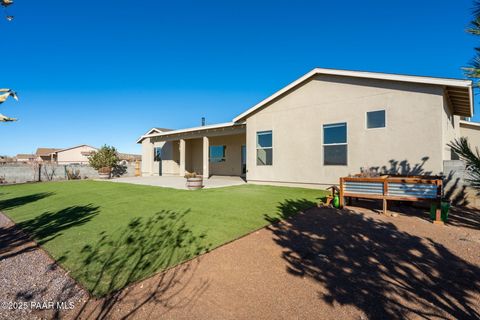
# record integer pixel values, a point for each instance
(376, 119)
(217, 153)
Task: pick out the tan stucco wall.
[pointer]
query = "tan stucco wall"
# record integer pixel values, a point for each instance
(170, 158)
(471, 132)
(74, 155)
(232, 166)
(193, 155)
(450, 128)
(413, 130)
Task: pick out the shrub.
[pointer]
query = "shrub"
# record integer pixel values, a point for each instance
(189, 175)
(73, 174)
(105, 157)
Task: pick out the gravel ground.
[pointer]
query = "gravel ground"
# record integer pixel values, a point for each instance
(30, 279)
(321, 264)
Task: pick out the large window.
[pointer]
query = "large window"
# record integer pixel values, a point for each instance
(335, 144)
(376, 119)
(264, 148)
(157, 154)
(217, 153)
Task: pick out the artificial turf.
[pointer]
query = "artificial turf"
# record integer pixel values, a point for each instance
(111, 234)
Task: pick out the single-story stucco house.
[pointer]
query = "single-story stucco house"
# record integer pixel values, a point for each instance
(327, 124)
(74, 155)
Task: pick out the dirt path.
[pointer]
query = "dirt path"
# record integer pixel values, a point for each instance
(322, 264)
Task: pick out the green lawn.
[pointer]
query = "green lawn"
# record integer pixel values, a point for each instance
(111, 234)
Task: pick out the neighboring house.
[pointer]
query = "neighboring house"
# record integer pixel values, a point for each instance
(327, 124)
(46, 154)
(27, 158)
(74, 155)
(7, 159)
(79, 155)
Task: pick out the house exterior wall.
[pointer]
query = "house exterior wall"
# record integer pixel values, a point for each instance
(193, 155)
(74, 155)
(232, 166)
(413, 131)
(170, 158)
(450, 128)
(472, 132)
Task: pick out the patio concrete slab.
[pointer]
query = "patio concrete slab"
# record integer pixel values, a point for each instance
(179, 182)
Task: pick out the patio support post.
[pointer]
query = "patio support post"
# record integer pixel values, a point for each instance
(206, 148)
(151, 156)
(182, 157)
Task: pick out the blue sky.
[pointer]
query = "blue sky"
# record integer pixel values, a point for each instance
(107, 71)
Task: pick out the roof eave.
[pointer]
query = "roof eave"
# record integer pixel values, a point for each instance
(361, 74)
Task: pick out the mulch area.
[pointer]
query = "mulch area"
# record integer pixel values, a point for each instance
(321, 264)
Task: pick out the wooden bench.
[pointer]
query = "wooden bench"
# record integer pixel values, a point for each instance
(391, 187)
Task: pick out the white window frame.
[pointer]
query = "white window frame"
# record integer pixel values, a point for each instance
(366, 119)
(262, 148)
(334, 144)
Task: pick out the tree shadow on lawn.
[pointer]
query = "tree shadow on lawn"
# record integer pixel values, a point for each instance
(370, 264)
(20, 201)
(144, 247)
(17, 239)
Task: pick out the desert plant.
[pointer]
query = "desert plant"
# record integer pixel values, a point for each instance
(105, 157)
(472, 160)
(73, 174)
(189, 175)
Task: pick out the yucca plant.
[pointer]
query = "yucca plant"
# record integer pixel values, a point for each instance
(472, 160)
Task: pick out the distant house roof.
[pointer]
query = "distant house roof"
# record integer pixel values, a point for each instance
(82, 145)
(129, 156)
(46, 151)
(26, 156)
(458, 91)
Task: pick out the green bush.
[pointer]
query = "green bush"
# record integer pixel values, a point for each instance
(105, 157)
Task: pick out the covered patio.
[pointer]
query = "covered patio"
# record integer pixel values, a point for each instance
(177, 182)
(215, 150)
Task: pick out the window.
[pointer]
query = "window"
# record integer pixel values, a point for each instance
(376, 119)
(335, 144)
(157, 154)
(454, 155)
(264, 148)
(217, 153)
